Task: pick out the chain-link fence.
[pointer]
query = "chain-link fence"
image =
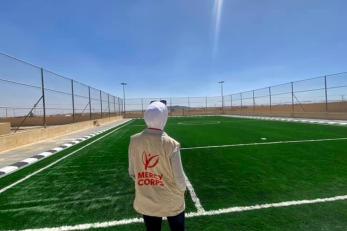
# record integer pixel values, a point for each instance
(31, 96)
(321, 97)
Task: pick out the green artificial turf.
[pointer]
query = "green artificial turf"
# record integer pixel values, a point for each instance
(242, 176)
(317, 217)
(93, 184)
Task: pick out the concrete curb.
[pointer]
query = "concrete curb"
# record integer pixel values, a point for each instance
(297, 120)
(40, 156)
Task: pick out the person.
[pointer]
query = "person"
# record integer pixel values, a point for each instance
(156, 168)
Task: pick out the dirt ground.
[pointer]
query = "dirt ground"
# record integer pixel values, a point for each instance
(53, 119)
(333, 111)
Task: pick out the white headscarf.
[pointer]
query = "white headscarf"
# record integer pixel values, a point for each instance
(156, 115)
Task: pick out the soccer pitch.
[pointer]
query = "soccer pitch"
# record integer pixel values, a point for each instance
(244, 174)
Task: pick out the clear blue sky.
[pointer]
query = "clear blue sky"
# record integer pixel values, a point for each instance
(170, 48)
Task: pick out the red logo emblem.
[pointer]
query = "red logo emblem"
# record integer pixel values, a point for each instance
(149, 161)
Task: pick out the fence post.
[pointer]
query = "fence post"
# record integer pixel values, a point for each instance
(142, 106)
(90, 104)
(119, 107)
(122, 107)
(108, 104)
(222, 101)
(326, 93)
(43, 99)
(270, 96)
(222, 104)
(292, 84)
(114, 105)
(188, 110)
(253, 103)
(241, 103)
(231, 102)
(206, 103)
(100, 103)
(170, 111)
(73, 102)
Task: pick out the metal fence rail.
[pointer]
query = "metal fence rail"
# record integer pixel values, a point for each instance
(320, 97)
(31, 96)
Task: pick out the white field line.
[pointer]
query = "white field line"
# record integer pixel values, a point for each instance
(265, 143)
(266, 206)
(91, 226)
(193, 195)
(195, 214)
(199, 123)
(59, 160)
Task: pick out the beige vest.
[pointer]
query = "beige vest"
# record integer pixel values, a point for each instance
(156, 191)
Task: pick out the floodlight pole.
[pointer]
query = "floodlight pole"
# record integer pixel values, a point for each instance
(124, 84)
(222, 93)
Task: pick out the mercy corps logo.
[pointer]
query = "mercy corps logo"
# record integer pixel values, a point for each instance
(149, 161)
(148, 178)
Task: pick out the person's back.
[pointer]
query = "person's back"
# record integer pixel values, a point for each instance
(155, 165)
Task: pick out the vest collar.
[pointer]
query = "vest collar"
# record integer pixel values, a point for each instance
(154, 131)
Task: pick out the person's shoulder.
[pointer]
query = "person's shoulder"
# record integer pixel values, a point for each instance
(170, 140)
(136, 136)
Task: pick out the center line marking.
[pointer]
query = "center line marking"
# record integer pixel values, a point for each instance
(265, 143)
